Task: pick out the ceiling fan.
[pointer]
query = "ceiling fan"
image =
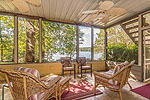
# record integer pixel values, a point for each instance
(22, 5)
(106, 10)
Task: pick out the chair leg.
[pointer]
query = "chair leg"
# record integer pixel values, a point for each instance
(120, 94)
(81, 71)
(68, 86)
(74, 73)
(63, 73)
(129, 85)
(3, 93)
(95, 88)
(91, 72)
(59, 97)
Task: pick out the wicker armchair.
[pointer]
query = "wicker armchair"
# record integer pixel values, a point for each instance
(26, 86)
(114, 82)
(82, 65)
(67, 65)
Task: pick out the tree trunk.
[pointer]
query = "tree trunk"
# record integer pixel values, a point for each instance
(30, 42)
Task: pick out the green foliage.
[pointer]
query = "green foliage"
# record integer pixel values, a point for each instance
(59, 39)
(6, 38)
(120, 47)
(121, 53)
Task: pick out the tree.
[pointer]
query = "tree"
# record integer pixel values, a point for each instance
(58, 38)
(30, 41)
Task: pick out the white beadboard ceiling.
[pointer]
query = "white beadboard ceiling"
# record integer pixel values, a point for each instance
(71, 10)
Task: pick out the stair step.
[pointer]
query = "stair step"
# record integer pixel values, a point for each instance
(135, 36)
(132, 27)
(133, 32)
(131, 21)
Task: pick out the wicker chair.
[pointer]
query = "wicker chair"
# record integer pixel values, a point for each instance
(26, 86)
(67, 65)
(114, 82)
(82, 65)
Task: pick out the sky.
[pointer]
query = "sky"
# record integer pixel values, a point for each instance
(87, 36)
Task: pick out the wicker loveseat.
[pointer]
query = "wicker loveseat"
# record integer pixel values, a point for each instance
(114, 82)
(25, 84)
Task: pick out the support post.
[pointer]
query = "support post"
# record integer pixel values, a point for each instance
(140, 48)
(105, 43)
(40, 40)
(16, 39)
(105, 49)
(92, 45)
(77, 40)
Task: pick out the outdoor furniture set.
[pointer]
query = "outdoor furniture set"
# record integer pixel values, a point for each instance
(26, 83)
(67, 65)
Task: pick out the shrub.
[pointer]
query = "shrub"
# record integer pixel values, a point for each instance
(121, 52)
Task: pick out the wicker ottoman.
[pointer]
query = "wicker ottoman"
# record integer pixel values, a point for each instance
(63, 85)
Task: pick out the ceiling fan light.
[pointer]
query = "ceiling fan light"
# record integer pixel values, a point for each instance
(101, 15)
(21, 5)
(106, 5)
(105, 19)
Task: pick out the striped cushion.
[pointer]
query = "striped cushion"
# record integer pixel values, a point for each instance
(34, 72)
(112, 84)
(41, 95)
(68, 68)
(86, 67)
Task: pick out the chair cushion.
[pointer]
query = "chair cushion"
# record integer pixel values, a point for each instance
(34, 72)
(41, 95)
(110, 83)
(113, 85)
(68, 68)
(86, 67)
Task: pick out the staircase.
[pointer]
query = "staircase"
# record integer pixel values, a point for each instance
(131, 28)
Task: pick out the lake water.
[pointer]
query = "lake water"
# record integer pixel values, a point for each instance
(86, 54)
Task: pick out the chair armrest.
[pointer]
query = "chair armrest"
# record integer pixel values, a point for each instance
(101, 75)
(64, 81)
(46, 76)
(53, 82)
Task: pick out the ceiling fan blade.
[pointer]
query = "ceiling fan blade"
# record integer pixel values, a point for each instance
(100, 16)
(90, 12)
(106, 5)
(116, 11)
(34, 2)
(92, 17)
(21, 5)
(105, 19)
